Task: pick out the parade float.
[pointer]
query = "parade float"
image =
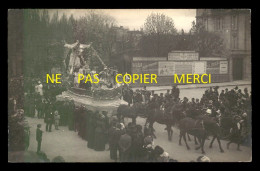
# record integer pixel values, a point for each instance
(105, 95)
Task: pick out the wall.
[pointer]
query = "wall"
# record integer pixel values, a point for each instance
(144, 66)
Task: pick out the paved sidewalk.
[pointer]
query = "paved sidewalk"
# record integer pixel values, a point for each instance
(192, 86)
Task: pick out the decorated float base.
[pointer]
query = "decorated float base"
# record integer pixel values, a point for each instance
(108, 105)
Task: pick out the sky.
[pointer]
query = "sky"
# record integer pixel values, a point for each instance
(135, 18)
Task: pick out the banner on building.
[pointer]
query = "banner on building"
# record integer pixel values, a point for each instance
(217, 67)
(213, 67)
(171, 68)
(183, 56)
(223, 66)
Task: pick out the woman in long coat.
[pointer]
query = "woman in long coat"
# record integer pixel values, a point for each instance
(71, 115)
(100, 139)
(87, 113)
(91, 130)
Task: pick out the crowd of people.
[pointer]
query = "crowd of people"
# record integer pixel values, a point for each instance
(131, 142)
(230, 108)
(229, 102)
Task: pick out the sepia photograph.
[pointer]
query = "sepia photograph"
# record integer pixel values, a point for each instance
(129, 85)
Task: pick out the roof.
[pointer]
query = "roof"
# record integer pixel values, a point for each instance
(149, 58)
(212, 59)
(179, 51)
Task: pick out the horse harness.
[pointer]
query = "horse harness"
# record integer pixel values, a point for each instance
(200, 122)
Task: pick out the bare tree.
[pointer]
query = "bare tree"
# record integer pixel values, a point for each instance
(159, 24)
(159, 33)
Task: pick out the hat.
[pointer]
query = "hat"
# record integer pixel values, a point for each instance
(203, 159)
(159, 150)
(208, 111)
(165, 154)
(149, 146)
(148, 140)
(244, 114)
(138, 127)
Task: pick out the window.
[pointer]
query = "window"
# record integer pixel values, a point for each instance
(218, 23)
(234, 22)
(234, 42)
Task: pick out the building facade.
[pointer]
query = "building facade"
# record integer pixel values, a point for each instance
(234, 26)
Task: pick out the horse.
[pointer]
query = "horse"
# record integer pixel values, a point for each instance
(161, 117)
(140, 109)
(200, 128)
(231, 131)
(126, 111)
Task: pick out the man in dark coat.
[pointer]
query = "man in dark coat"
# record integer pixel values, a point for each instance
(175, 92)
(148, 131)
(91, 130)
(99, 141)
(38, 102)
(87, 121)
(45, 107)
(49, 117)
(49, 120)
(236, 133)
(222, 95)
(39, 137)
(125, 143)
(137, 143)
(147, 149)
(71, 115)
(168, 95)
(80, 121)
(106, 122)
(138, 97)
(114, 136)
(155, 154)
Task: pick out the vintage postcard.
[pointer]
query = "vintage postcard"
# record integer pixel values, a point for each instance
(129, 85)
